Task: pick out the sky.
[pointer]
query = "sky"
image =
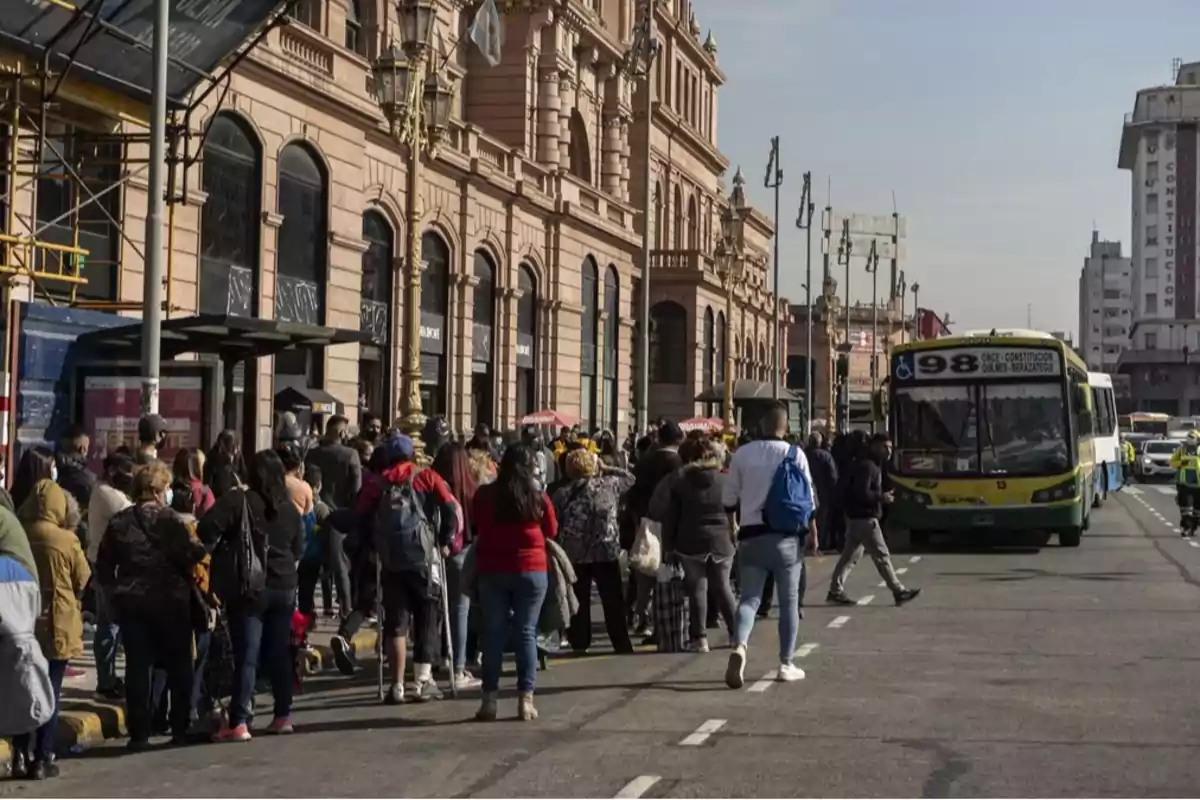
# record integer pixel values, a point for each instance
(995, 124)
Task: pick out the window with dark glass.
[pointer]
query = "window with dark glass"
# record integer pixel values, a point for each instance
(719, 346)
(307, 12)
(89, 201)
(435, 303)
(484, 290)
(303, 250)
(658, 216)
(355, 41)
(230, 175)
(668, 342)
(435, 277)
(376, 276)
(612, 325)
(526, 341)
(677, 243)
(590, 284)
(706, 380)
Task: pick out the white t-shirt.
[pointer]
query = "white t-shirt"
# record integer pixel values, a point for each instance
(751, 472)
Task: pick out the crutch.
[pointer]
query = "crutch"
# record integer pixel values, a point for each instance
(443, 580)
(379, 623)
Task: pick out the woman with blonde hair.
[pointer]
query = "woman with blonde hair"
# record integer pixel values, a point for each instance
(145, 566)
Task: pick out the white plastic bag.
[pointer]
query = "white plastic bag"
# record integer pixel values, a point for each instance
(646, 553)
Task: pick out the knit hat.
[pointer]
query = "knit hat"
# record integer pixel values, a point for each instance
(582, 464)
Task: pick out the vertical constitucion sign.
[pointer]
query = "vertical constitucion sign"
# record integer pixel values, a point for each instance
(1184, 241)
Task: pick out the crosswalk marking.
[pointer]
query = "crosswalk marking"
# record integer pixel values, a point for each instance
(638, 786)
(1133, 490)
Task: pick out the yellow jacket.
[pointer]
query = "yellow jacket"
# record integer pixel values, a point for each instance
(1186, 461)
(62, 570)
(1128, 456)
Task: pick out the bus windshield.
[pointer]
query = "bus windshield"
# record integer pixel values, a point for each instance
(982, 428)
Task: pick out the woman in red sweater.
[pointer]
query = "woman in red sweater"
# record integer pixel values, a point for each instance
(513, 519)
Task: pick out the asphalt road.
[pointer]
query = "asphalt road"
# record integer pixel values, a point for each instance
(1018, 672)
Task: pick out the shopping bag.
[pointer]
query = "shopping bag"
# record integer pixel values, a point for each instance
(671, 616)
(646, 553)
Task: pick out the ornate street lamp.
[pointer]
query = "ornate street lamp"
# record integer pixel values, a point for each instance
(731, 265)
(416, 98)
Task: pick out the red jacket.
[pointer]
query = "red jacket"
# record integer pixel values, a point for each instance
(510, 547)
(428, 484)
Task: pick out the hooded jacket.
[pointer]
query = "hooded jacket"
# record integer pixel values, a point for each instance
(145, 562)
(437, 500)
(62, 568)
(694, 520)
(29, 697)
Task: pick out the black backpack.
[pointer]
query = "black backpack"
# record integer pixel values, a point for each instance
(404, 536)
(240, 563)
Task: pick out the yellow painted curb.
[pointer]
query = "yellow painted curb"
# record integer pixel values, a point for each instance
(81, 723)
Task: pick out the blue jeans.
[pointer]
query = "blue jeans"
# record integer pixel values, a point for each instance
(511, 599)
(43, 738)
(104, 643)
(781, 557)
(460, 609)
(263, 629)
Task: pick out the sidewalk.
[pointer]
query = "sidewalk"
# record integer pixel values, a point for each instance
(85, 721)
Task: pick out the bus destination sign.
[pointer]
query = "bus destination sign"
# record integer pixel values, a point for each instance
(976, 362)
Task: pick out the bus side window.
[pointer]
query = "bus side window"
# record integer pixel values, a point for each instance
(1081, 402)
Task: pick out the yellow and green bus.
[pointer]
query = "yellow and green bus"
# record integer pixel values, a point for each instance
(992, 432)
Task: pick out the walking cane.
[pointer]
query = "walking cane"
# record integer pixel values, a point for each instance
(379, 623)
(446, 621)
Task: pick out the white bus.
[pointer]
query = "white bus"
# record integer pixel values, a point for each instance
(1109, 475)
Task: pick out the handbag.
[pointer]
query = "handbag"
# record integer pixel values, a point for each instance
(646, 553)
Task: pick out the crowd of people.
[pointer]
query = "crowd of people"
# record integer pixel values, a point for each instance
(205, 571)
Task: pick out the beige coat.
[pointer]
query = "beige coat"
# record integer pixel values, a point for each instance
(63, 570)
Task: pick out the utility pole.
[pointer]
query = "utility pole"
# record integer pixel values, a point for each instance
(774, 180)
(804, 223)
(916, 312)
(645, 48)
(903, 290)
(845, 248)
(873, 268)
(153, 274)
(895, 277)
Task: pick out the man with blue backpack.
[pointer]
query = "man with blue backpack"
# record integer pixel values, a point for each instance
(769, 487)
(863, 500)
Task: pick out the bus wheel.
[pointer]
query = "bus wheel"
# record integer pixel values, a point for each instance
(1070, 537)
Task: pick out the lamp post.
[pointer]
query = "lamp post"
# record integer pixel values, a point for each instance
(731, 264)
(873, 268)
(416, 101)
(903, 323)
(916, 289)
(804, 222)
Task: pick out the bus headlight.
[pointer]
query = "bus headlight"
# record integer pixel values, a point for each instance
(909, 496)
(1066, 490)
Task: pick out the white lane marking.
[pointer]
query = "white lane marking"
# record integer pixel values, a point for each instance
(866, 600)
(914, 559)
(638, 786)
(838, 622)
(1193, 543)
(764, 683)
(703, 732)
(1165, 489)
(1133, 490)
(804, 649)
(902, 570)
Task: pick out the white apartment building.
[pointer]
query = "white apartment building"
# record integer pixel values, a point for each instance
(1160, 147)
(1105, 314)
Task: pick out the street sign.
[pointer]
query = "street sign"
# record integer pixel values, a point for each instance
(877, 225)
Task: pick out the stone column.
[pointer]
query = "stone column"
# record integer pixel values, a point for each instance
(623, 160)
(610, 143)
(566, 102)
(548, 107)
(462, 310)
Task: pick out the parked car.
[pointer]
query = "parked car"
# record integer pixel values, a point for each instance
(1154, 460)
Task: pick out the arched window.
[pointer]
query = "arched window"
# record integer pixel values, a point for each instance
(707, 217)
(483, 340)
(799, 370)
(435, 303)
(231, 176)
(719, 346)
(612, 324)
(748, 363)
(764, 368)
(301, 256)
(580, 151)
(658, 216)
(706, 380)
(693, 222)
(527, 395)
(668, 342)
(677, 209)
(303, 250)
(375, 317)
(589, 299)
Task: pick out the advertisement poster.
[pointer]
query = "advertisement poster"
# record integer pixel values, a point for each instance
(112, 407)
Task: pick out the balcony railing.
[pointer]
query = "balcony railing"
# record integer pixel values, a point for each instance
(695, 260)
(304, 49)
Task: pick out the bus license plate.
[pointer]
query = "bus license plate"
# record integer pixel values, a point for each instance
(983, 519)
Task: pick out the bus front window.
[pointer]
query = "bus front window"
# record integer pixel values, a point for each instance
(935, 430)
(1023, 429)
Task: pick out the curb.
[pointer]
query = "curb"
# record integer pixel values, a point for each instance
(84, 723)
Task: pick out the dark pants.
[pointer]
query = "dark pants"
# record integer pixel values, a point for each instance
(408, 609)
(607, 575)
(704, 577)
(105, 642)
(164, 642)
(363, 586)
(262, 630)
(43, 738)
(200, 703)
(337, 570)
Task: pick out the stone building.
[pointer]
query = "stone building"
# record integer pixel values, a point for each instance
(530, 226)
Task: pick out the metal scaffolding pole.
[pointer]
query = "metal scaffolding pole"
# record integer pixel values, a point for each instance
(152, 288)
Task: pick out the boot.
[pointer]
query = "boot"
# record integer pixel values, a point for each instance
(487, 709)
(525, 709)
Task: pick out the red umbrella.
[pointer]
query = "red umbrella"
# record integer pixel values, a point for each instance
(707, 424)
(549, 417)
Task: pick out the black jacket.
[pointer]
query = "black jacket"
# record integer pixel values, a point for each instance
(341, 473)
(651, 469)
(863, 495)
(284, 532)
(75, 477)
(825, 476)
(695, 522)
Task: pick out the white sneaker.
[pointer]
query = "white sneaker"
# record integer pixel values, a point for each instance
(789, 672)
(735, 671)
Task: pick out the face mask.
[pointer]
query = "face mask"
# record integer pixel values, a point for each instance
(54, 473)
(169, 497)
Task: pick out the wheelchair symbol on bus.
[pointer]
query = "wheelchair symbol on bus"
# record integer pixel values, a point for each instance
(904, 368)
